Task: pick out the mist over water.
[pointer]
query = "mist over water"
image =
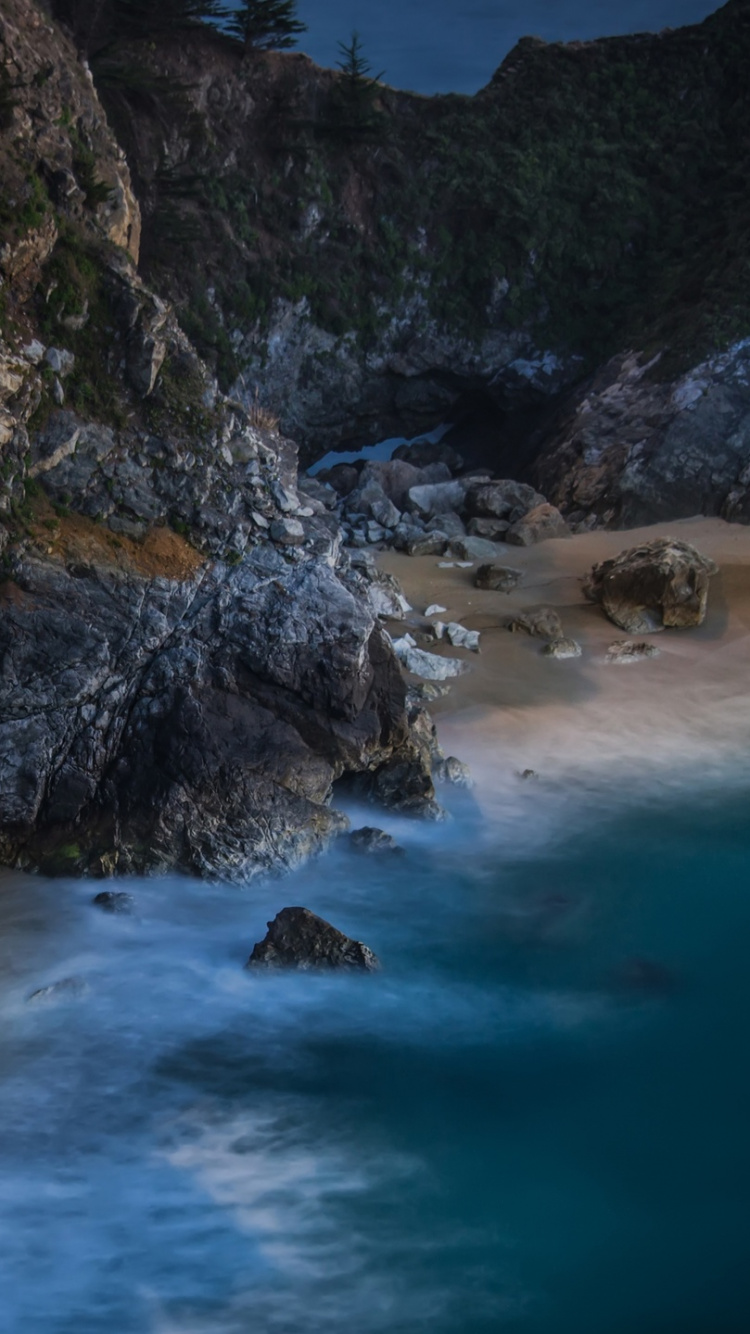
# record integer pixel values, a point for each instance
(534, 1119)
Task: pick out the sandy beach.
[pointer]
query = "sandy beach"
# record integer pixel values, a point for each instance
(684, 715)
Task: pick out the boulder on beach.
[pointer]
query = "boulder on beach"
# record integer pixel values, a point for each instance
(631, 650)
(298, 938)
(504, 499)
(541, 523)
(498, 578)
(474, 548)
(544, 623)
(657, 585)
(562, 648)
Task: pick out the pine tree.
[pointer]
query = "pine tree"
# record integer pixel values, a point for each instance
(264, 25)
(355, 94)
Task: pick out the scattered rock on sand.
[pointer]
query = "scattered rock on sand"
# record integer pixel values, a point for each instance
(114, 901)
(460, 637)
(371, 841)
(631, 650)
(428, 665)
(426, 544)
(544, 623)
(298, 938)
(562, 648)
(473, 548)
(498, 578)
(435, 609)
(658, 585)
(541, 523)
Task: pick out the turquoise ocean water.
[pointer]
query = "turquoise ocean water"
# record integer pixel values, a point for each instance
(534, 1120)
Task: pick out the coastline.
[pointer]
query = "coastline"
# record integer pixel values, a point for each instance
(587, 725)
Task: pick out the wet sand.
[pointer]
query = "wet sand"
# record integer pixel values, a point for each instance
(682, 717)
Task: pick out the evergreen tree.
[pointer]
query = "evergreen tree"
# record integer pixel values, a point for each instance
(355, 94)
(264, 25)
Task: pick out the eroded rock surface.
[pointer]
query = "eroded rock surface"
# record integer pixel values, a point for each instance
(298, 938)
(655, 586)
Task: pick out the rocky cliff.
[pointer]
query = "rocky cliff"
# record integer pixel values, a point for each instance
(187, 664)
(592, 199)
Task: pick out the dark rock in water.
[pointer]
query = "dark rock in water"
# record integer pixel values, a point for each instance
(68, 988)
(528, 775)
(541, 523)
(114, 902)
(297, 938)
(452, 770)
(370, 841)
(645, 976)
(500, 578)
(658, 585)
(544, 623)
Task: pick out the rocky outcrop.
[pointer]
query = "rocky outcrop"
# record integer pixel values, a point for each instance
(659, 585)
(637, 446)
(298, 938)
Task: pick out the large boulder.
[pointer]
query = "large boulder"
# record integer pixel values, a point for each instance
(499, 578)
(298, 938)
(506, 499)
(657, 585)
(541, 523)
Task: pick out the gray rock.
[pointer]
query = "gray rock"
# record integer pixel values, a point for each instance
(447, 523)
(541, 523)
(60, 361)
(624, 651)
(114, 902)
(385, 513)
(459, 636)
(499, 578)
(426, 544)
(505, 499)
(562, 648)
(298, 938)
(652, 587)
(493, 529)
(474, 548)
(451, 770)
(289, 532)
(543, 623)
(421, 453)
(436, 498)
(428, 665)
(370, 841)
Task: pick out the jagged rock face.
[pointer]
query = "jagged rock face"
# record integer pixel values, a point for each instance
(632, 448)
(58, 134)
(655, 586)
(298, 938)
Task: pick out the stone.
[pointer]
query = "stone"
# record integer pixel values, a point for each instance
(448, 523)
(68, 988)
(59, 360)
(540, 524)
(506, 499)
(371, 842)
(474, 548)
(655, 586)
(33, 351)
(562, 648)
(385, 513)
(543, 623)
(423, 452)
(434, 609)
(452, 770)
(436, 498)
(426, 544)
(298, 938)
(114, 901)
(460, 637)
(624, 651)
(497, 578)
(493, 529)
(428, 665)
(288, 532)
(342, 477)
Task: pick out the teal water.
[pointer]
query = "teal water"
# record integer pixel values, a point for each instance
(534, 1120)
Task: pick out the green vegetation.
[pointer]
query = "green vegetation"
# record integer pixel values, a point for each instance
(266, 24)
(351, 115)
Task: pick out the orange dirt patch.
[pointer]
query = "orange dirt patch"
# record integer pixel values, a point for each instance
(161, 554)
